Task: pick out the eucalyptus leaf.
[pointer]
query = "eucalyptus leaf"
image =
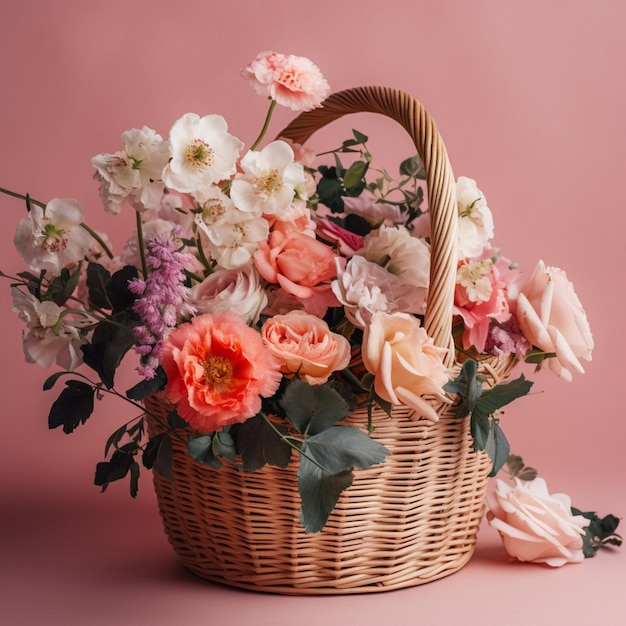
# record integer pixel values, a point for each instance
(201, 449)
(313, 408)
(319, 492)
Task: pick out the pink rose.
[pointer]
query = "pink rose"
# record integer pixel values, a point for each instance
(534, 525)
(301, 265)
(405, 362)
(552, 318)
(294, 82)
(217, 369)
(305, 346)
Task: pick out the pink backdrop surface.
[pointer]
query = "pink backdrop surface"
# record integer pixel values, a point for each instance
(530, 98)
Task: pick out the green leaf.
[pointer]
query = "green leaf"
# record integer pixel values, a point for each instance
(134, 478)
(73, 407)
(201, 449)
(61, 287)
(224, 446)
(330, 190)
(176, 421)
(114, 439)
(147, 387)
(117, 290)
(413, 167)
(97, 280)
(51, 380)
(257, 443)
(341, 448)
(354, 176)
(109, 343)
(319, 492)
(480, 426)
(360, 137)
(118, 467)
(600, 532)
(494, 399)
(312, 409)
(158, 455)
(497, 447)
(468, 385)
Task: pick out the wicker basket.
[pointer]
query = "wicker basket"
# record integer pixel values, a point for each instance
(408, 521)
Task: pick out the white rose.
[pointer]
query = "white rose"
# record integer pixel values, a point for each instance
(409, 257)
(365, 288)
(240, 291)
(536, 526)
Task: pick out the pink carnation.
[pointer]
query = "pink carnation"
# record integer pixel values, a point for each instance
(294, 82)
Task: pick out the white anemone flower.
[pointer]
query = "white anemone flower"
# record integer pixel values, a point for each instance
(202, 152)
(234, 237)
(475, 219)
(133, 173)
(50, 239)
(270, 181)
(48, 337)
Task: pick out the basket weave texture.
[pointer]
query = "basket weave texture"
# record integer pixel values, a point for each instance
(408, 521)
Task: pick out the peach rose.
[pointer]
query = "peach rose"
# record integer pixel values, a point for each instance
(217, 369)
(301, 265)
(552, 318)
(305, 346)
(535, 526)
(405, 362)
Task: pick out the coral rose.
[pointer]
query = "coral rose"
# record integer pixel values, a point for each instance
(305, 346)
(405, 362)
(301, 265)
(552, 318)
(534, 525)
(217, 370)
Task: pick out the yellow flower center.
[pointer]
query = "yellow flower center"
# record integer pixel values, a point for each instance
(218, 373)
(199, 155)
(269, 183)
(54, 238)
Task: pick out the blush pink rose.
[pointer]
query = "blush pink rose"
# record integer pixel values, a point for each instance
(552, 318)
(405, 362)
(217, 369)
(305, 346)
(301, 265)
(292, 81)
(535, 526)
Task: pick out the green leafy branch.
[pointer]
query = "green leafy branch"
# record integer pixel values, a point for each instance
(482, 405)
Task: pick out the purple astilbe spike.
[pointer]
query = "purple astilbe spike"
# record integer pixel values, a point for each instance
(163, 294)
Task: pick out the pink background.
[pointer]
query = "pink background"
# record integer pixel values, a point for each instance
(530, 98)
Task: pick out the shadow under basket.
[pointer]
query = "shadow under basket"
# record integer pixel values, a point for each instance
(405, 522)
(408, 521)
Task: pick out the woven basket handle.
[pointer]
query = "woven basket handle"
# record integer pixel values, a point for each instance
(414, 118)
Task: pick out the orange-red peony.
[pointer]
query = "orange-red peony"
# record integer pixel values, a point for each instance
(217, 371)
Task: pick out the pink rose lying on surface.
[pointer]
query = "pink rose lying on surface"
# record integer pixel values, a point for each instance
(405, 362)
(534, 525)
(293, 81)
(552, 318)
(217, 368)
(305, 346)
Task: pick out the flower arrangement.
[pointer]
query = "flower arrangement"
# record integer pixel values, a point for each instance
(258, 288)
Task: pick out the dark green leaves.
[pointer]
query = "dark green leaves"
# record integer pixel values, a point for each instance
(326, 464)
(207, 449)
(258, 443)
(312, 409)
(600, 533)
(73, 407)
(482, 405)
(122, 462)
(147, 387)
(158, 455)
